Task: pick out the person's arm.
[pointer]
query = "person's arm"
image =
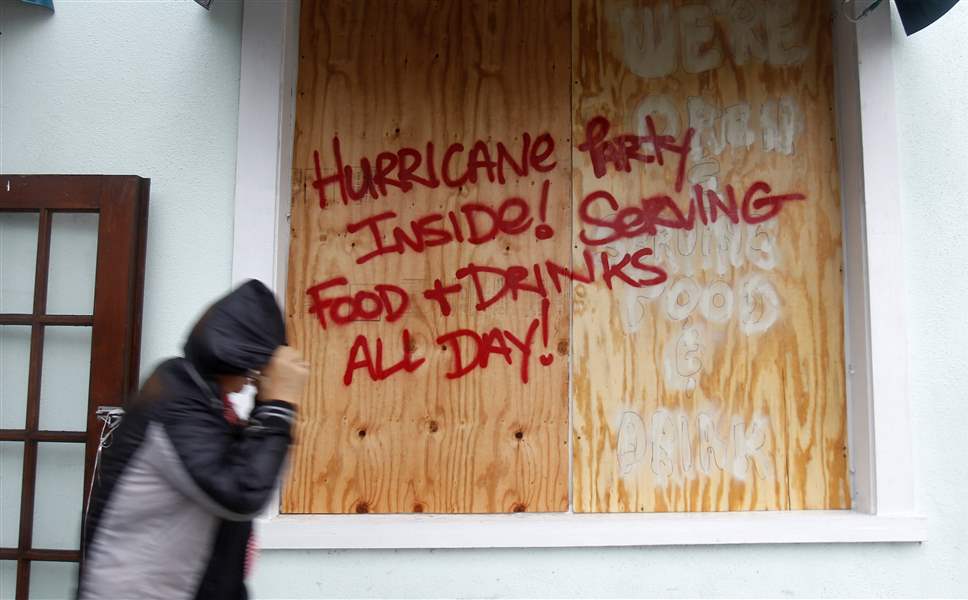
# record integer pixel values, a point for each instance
(233, 476)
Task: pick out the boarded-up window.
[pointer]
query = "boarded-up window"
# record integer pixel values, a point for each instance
(524, 231)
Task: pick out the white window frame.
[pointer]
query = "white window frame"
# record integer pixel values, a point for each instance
(879, 421)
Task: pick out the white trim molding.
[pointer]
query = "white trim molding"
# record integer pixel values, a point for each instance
(267, 86)
(887, 345)
(555, 530)
(879, 423)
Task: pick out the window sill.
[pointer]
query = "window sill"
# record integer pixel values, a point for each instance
(590, 530)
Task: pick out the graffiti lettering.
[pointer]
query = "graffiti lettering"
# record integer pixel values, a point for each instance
(361, 358)
(657, 39)
(406, 168)
(628, 247)
(621, 150)
(475, 223)
(471, 350)
(385, 300)
(758, 205)
(490, 284)
(669, 442)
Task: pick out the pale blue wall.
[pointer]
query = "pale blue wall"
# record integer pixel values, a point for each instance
(142, 88)
(152, 89)
(138, 88)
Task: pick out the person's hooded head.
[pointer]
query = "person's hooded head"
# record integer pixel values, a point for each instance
(237, 334)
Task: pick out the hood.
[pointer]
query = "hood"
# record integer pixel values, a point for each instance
(238, 333)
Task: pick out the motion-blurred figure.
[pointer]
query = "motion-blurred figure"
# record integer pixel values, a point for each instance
(176, 491)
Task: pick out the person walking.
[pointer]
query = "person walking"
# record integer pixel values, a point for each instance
(175, 492)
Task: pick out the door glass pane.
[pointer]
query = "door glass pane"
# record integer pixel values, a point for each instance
(58, 496)
(18, 259)
(73, 257)
(11, 480)
(65, 377)
(14, 365)
(8, 578)
(52, 580)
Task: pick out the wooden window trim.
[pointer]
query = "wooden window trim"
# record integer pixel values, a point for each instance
(879, 421)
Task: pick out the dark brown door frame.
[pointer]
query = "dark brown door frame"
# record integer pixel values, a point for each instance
(122, 204)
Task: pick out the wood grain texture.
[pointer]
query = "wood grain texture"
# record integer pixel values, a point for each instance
(387, 75)
(721, 388)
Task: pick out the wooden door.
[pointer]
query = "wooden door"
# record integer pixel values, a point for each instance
(72, 250)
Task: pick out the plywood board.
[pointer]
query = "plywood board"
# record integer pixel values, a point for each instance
(709, 374)
(453, 122)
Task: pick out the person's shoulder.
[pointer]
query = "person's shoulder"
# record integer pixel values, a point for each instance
(174, 367)
(170, 375)
(175, 385)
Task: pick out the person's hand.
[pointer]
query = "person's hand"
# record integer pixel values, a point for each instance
(284, 377)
